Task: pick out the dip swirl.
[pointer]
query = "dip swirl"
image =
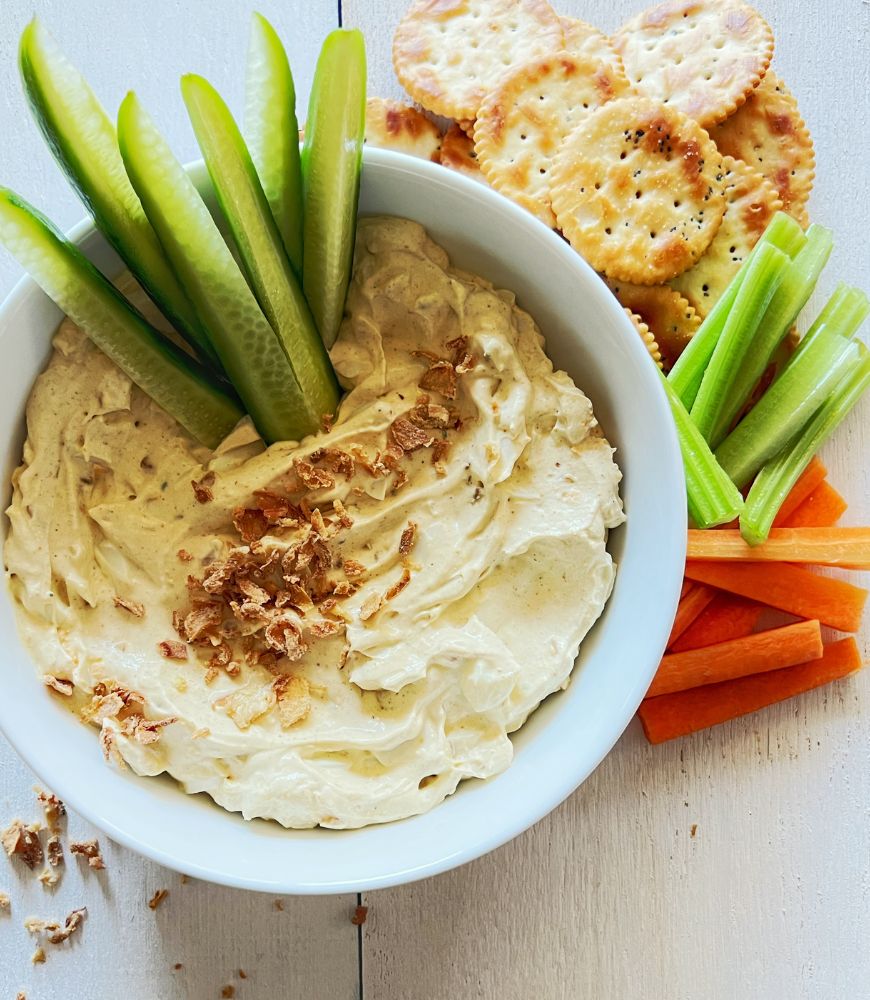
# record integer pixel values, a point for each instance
(463, 536)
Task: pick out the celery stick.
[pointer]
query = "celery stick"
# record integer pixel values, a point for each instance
(247, 346)
(760, 281)
(804, 384)
(331, 165)
(259, 243)
(169, 376)
(846, 309)
(272, 132)
(792, 295)
(83, 140)
(686, 375)
(712, 497)
(774, 482)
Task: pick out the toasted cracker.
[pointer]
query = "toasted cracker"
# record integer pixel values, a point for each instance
(646, 336)
(769, 134)
(457, 152)
(582, 39)
(448, 54)
(703, 57)
(393, 125)
(670, 317)
(522, 123)
(752, 203)
(637, 188)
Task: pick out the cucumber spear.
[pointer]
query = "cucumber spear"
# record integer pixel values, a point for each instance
(331, 164)
(272, 132)
(259, 243)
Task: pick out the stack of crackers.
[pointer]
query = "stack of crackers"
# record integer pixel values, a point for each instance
(660, 153)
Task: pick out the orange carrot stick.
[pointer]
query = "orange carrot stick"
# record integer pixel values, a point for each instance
(692, 603)
(753, 654)
(812, 476)
(726, 617)
(673, 715)
(787, 587)
(821, 509)
(846, 547)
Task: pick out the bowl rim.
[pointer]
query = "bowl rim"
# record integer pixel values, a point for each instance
(15, 729)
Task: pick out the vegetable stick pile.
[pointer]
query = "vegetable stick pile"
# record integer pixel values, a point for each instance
(718, 665)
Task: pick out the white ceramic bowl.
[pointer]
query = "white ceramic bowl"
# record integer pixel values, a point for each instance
(589, 336)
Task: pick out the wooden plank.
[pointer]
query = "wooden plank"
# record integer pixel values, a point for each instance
(127, 950)
(614, 895)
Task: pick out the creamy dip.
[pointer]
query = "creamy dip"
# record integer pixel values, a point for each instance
(474, 565)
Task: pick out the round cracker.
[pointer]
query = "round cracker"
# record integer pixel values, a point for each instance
(457, 153)
(522, 123)
(448, 54)
(752, 201)
(582, 39)
(637, 188)
(670, 317)
(393, 125)
(769, 133)
(703, 57)
(646, 336)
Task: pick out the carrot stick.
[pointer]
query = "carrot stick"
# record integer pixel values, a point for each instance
(692, 603)
(812, 476)
(789, 588)
(726, 617)
(753, 654)
(845, 547)
(821, 509)
(673, 715)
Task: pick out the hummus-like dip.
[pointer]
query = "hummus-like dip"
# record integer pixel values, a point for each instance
(364, 634)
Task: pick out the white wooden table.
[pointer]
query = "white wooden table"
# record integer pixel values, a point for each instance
(734, 865)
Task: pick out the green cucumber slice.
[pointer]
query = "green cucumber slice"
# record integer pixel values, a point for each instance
(171, 378)
(272, 132)
(83, 140)
(259, 243)
(331, 164)
(247, 346)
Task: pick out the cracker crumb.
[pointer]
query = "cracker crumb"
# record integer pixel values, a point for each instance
(5, 903)
(89, 849)
(60, 684)
(135, 608)
(57, 934)
(693, 830)
(38, 957)
(228, 992)
(20, 996)
(177, 967)
(157, 898)
(23, 842)
(185, 879)
(279, 905)
(359, 916)
(184, 555)
(242, 974)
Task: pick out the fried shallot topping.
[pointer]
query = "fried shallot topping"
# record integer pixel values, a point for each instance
(90, 850)
(59, 684)
(23, 842)
(134, 607)
(202, 488)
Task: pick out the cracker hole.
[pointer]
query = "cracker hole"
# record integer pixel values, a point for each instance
(608, 231)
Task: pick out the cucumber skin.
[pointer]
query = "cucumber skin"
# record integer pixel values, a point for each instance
(331, 166)
(280, 173)
(247, 346)
(104, 188)
(172, 379)
(268, 270)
